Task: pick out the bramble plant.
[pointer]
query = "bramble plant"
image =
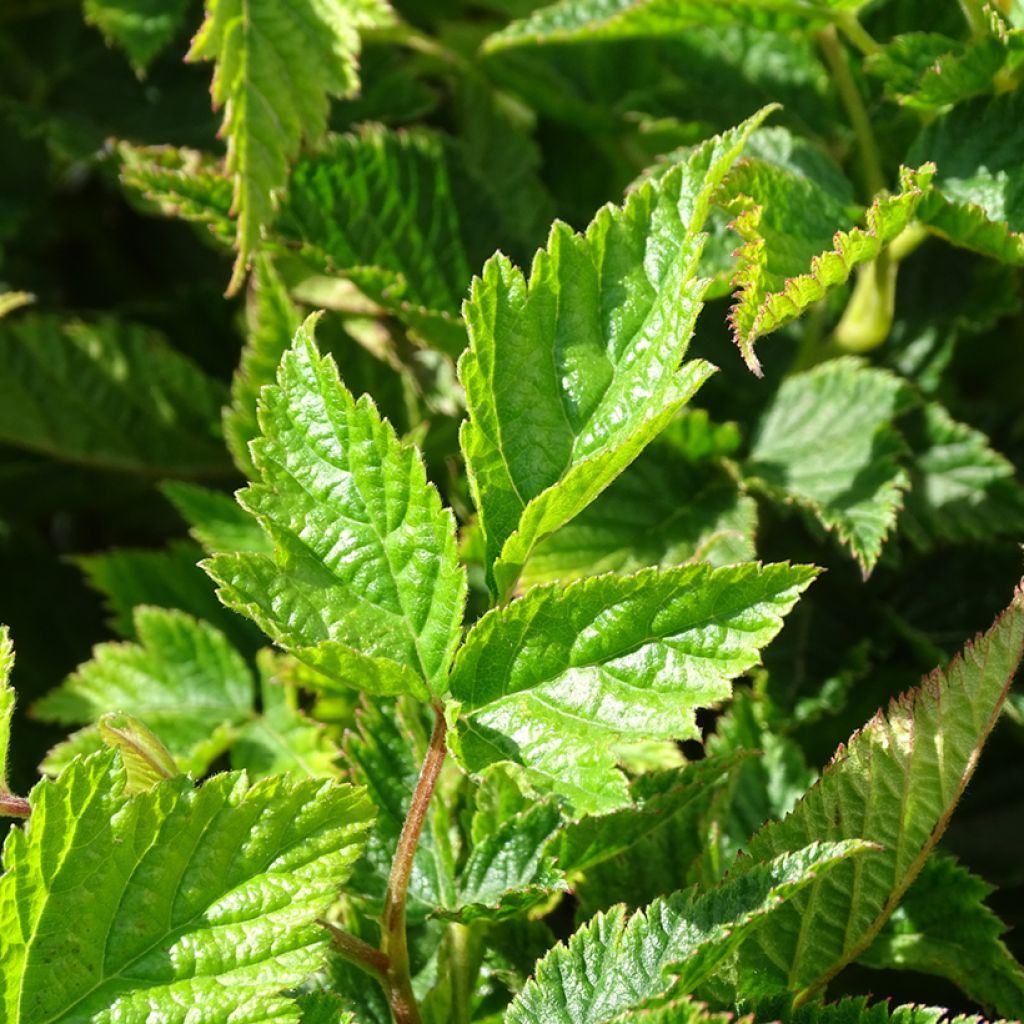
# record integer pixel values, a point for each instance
(497, 693)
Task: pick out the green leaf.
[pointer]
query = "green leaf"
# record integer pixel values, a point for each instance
(7, 699)
(856, 1011)
(896, 784)
(826, 442)
(571, 374)
(978, 198)
(364, 584)
(282, 738)
(943, 926)
(183, 680)
(107, 395)
(146, 760)
(276, 66)
(547, 681)
(117, 907)
(680, 1011)
(178, 182)
(271, 322)
(764, 304)
(10, 301)
(668, 508)
(961, 489)
(216, 520)
(617, 963)
(142, 28)
(578, 21)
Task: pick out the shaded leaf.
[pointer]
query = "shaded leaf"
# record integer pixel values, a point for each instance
(142, 28)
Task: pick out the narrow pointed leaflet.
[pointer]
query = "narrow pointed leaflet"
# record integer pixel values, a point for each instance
(572, 372)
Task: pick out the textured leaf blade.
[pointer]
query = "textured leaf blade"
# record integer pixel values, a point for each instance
(538, 681)
(276, 65)
(943, 926)
(364, 583)
(142, 28)
(762, 306)
(183, 680)
(109, 395)
(570, 374)
(896, 784)
(614, 964)
(179, 897)
(826, 442)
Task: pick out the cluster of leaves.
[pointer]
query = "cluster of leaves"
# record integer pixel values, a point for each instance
(476, 704)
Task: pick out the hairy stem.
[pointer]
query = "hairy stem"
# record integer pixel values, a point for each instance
(394, 947)
(360, 953)
(12, 806)
(867, 148)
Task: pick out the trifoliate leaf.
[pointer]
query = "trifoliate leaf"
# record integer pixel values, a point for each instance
(548, 680)
(616, 963)
(896, 784)
(216, 520)
(394, 213)
(978, 198)
(364, 584)
(826, 442)
(571, 374)
(668, 508)
(134, 908)
(271, 322)
(142, 28)
(282, 738)
(764, 304)
(108, 395)
(943, 926)
(960, 488)
(276, 66)
(578, 21)
(179, 182)
(183, 680)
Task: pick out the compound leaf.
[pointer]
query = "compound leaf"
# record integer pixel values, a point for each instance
(540, 680)
(615, 963)
(143, 907)
(276, 65)
(364, 584)
(570, 374)
(826, 442)
(896, 783)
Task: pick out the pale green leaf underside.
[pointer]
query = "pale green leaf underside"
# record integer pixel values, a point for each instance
(978, 199)
(183, 680)
(570, 374)
(826, 442)
(552, 679)
(585, 21)
(895, 784)
(108, 395)
(364, 583)
(763, 306)
(943, 927)
(277, 64)
(616, 963)
(142, 28)
(144, 908)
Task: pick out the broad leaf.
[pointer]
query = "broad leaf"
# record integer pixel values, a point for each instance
(943, 926)
(143, 907)
(107, 395)
(673, 505)
(142, 28)
(764, 303)
(182, 680)
(364, 584)
(978, 199)
(570, 374)
(826, 442)
(549, 680)
(960, 489)
(856, 1011)
(896, 783)
(277, 64)
(617, 963)
(216, 520)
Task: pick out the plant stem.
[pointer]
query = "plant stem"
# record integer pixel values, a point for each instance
(857, 33)
(974, 12)
(394, 945)
(461, 969)
(12, 806)
(360, 953)
(836, 58)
